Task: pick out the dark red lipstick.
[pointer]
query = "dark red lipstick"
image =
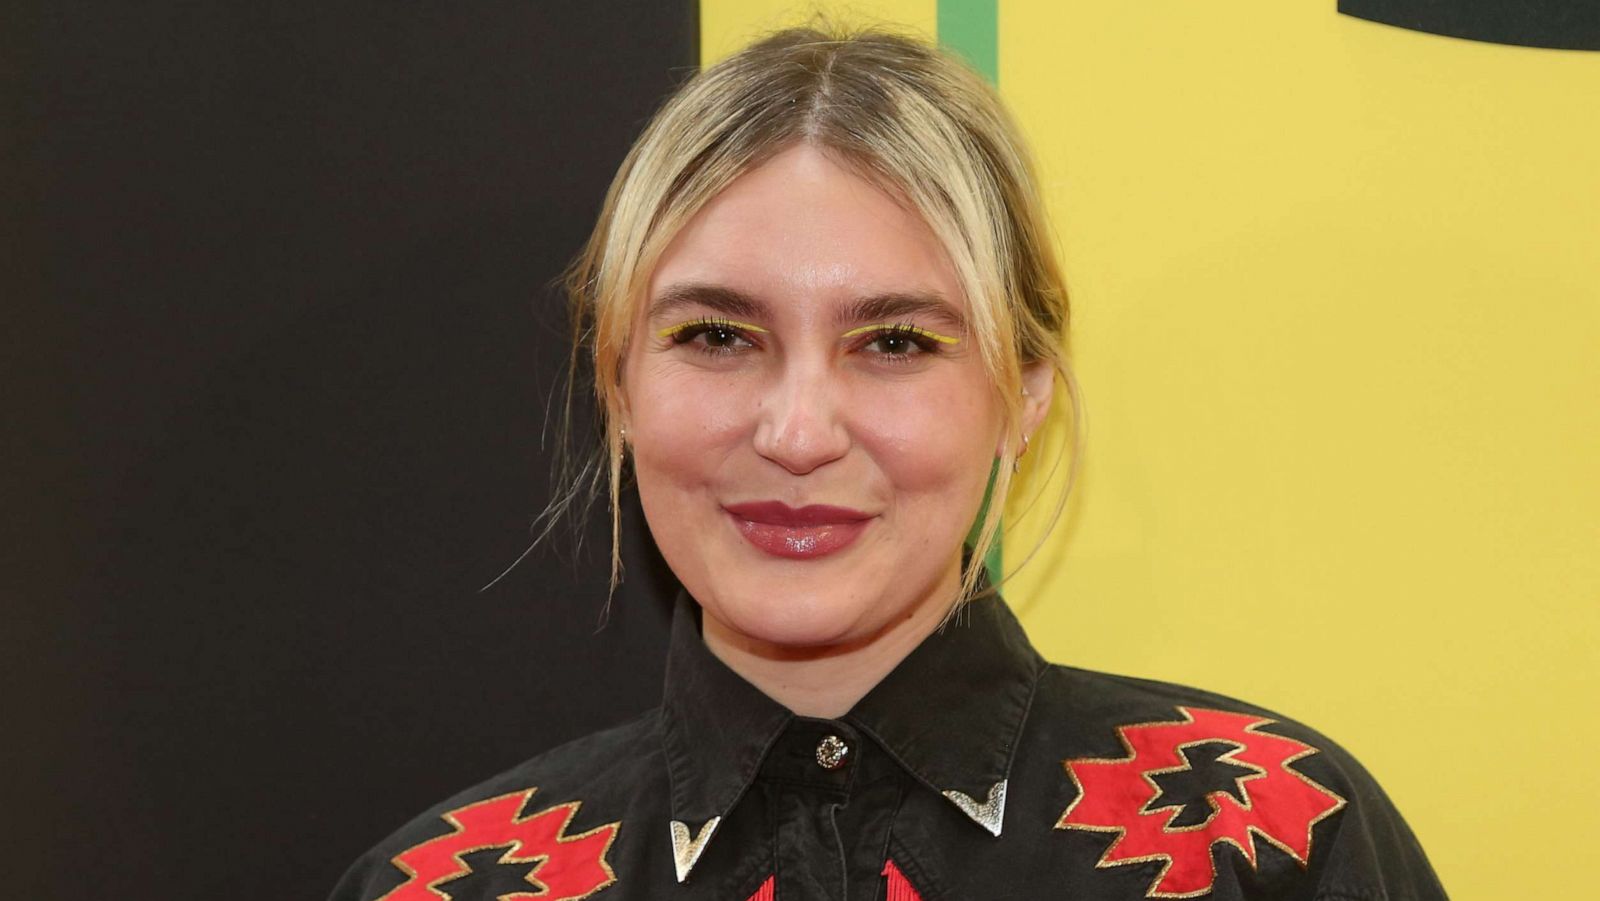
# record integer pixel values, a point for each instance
(799, 533)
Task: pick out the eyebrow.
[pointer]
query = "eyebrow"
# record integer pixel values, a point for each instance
(731, 302)
(726, 301)
(899, 305)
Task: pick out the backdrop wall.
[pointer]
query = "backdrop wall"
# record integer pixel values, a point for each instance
(276, 355)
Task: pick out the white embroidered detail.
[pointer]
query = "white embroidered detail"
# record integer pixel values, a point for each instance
(686, 851)
(988, 814)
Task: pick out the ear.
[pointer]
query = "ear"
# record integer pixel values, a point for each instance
(1039, 383)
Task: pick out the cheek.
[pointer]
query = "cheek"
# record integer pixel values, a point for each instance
(934, 438)
(684, 422)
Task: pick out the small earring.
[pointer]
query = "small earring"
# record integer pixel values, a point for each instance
(622, 434)
(1016, 462)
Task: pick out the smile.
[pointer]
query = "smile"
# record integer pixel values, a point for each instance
(803, 533)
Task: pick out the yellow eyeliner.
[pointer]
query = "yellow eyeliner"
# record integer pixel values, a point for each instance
(719, 323)
(942, 339)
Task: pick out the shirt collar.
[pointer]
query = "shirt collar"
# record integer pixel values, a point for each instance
(953, 710)
(716, 726)
(951, 713)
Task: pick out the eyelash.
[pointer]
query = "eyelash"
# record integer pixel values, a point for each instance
(925, 343)
(688, 331)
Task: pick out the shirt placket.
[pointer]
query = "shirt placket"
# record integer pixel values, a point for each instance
(834, 799)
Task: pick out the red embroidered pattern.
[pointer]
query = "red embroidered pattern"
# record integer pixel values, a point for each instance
(899, 886)
(561, 867)
(1280, 805)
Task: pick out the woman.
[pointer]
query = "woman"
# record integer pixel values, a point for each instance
(824, 315)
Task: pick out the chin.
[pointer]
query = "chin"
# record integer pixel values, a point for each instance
(794, 618)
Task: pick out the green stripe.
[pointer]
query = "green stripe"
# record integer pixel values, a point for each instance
(991, 560)
(971, 28)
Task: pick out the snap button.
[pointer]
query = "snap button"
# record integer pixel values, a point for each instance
(831, 752)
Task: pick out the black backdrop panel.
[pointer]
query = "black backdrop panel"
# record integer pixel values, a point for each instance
(279, 344)
(1559, 24)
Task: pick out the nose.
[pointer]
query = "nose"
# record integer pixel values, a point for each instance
(801, 425)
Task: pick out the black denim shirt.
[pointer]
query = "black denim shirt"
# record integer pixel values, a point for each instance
(974, 771)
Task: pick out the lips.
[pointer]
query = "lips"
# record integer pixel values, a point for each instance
(798, 533)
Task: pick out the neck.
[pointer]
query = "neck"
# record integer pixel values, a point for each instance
(827, 680)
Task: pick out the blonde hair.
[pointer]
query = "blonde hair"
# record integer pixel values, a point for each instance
(898, 112)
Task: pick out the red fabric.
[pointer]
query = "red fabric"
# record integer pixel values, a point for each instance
(1281, 804)
(564, 865)
(899, 886)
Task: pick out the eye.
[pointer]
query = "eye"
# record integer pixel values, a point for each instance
(713, 336)
(897, 343)
(901, 342)
(716, 336)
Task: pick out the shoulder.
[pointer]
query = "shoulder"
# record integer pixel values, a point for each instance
(574, 795)
(1188, 776)
(1104, 716)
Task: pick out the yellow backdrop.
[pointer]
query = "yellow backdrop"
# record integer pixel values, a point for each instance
(1338, 327)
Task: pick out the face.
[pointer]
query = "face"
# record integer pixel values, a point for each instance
(810, 424)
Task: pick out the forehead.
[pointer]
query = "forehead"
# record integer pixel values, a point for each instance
(804, 230)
